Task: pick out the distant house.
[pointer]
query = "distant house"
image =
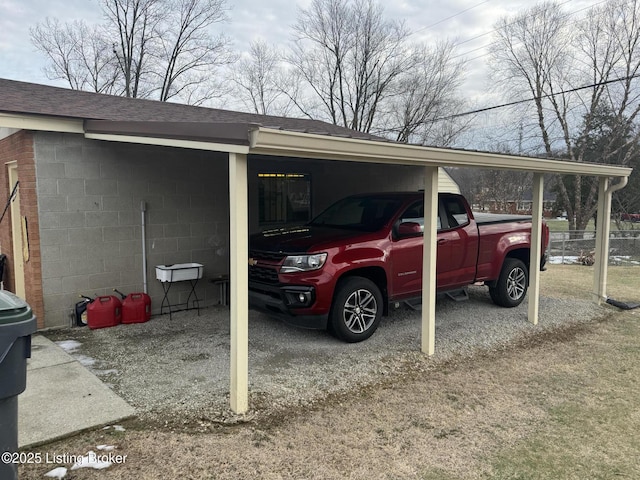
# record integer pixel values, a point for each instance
(522, 206)
(75, 225)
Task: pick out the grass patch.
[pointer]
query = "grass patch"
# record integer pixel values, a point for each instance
(556, 225)
(584, 389)
(560, 225)
(592, 429)
(593, 423)
(437, 474)
(576, 281)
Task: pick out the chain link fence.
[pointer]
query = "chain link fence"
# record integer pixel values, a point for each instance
(578, 247)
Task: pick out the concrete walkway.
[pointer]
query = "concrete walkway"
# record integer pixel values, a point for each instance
(63, 397)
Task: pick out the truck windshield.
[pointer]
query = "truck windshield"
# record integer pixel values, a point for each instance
(367, 214)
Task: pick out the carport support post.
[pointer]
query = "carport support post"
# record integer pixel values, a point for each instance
(603, 229)
(536, 246)
(429, 252)
(239, 280)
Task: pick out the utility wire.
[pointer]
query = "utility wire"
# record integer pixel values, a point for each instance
(548, 95)
(450, 17)
(569, 14)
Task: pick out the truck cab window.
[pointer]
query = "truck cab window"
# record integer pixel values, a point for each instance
(415, 213)
(456, 212)
(358, 213)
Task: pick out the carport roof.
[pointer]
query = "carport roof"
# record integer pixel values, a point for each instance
(113, 118)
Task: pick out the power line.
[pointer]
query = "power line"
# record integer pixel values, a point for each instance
(569, 14)
(549, 95)
(495, 29)
(449, 17)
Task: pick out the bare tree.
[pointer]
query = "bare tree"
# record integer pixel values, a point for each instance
(262, 85)
(349, 56)
(360, 71)
(505, 190)
(528, 57)
(78, 55)
(188, 52)
(145, 48)
(96, 60)
(134, 23)
(426, 98)
(541, 54)
(60, 43)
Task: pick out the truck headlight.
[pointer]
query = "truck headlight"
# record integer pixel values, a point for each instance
(303, 263)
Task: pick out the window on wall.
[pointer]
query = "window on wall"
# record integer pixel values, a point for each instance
(284, 198)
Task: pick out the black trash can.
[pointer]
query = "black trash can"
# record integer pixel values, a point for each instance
(17, 323)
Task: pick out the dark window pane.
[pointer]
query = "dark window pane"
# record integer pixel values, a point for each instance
(284, 198)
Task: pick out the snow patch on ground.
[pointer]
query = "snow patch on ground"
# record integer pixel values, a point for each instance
(91, 460)
(69, 346)
(571, 260)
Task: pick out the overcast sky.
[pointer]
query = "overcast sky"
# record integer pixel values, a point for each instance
(467, 22)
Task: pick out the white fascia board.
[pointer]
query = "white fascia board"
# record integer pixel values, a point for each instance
(49, 124)
(305, 145)
(170, 142)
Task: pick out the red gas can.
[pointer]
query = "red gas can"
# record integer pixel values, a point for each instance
(136, 308)
(104, 312)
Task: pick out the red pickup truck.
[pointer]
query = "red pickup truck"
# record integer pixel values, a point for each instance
(342, 270)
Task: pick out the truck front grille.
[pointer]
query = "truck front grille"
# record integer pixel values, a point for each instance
(263, 274)
(266, 256)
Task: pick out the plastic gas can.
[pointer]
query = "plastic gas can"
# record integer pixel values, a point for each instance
(136, 308)
(105, 311)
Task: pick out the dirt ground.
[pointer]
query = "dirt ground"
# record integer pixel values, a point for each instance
(463, 420)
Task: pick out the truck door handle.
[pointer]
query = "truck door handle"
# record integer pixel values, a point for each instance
(442, 241)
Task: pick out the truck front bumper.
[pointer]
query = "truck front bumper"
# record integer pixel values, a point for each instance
(283, 301)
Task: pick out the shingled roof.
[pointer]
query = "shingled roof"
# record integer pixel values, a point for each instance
(34, 99)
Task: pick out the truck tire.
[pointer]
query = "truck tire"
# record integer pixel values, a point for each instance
(356, 310)
(511, 287)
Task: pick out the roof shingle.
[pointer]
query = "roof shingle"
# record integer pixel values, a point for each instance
(30, 98)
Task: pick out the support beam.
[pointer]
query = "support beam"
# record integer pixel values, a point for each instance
(536, 247)
(602, 242)
(429, 253)
(239, 280)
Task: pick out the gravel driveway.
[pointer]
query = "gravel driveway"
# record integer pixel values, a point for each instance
(177, 370)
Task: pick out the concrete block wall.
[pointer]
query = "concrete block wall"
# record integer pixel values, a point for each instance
(90, 195)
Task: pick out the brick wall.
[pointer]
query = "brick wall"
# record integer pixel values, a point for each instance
(19, 148)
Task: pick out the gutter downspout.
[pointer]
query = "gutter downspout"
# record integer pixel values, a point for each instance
(618, 186)
(602, 237)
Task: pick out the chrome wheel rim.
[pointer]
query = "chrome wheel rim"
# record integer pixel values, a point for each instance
(516, 283)
(360, 311)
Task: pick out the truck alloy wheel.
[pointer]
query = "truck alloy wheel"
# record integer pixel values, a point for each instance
(511, 287)
(357, 309)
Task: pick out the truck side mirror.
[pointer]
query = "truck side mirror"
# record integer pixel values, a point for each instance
(409, 229)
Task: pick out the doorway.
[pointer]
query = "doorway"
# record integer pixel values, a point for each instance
(17, 262)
